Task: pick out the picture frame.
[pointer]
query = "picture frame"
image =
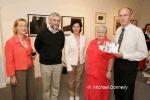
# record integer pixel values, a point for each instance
(66, 24)
(36, 23)
(100, 18)
(116, 24)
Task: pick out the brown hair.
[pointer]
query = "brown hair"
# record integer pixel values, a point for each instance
(75, 21)
(145, 28)
(16, 24)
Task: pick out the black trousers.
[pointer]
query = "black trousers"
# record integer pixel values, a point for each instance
(125, 73)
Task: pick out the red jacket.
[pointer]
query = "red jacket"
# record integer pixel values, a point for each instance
(17, 56)
(96, 60)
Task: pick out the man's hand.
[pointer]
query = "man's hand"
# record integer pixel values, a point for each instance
(118, 55)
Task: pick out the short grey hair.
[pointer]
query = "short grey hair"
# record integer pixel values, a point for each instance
(103, 27)
(54, 14)
(129, 9)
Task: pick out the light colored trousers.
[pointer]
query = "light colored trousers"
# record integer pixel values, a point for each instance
(51, 75)
(74, 79)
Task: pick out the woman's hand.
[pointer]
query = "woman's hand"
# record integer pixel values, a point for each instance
(13, 80)
(108, 75)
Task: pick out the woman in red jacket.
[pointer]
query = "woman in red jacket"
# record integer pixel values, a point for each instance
(98, 68)
(19, 62)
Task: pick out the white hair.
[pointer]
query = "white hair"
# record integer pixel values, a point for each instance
(54, 14)
(103, 28)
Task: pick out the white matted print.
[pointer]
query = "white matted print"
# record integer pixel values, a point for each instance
(100, 18)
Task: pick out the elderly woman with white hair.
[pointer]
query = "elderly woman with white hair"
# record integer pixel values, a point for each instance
(98, 68)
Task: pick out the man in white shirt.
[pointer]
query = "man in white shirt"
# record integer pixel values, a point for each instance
(132, 48)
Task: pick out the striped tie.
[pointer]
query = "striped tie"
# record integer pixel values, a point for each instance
(121, 38)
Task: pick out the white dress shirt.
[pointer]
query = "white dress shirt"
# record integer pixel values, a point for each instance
(72, 52)
(133, 45)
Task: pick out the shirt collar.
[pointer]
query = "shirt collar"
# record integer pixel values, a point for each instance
(52, 30)
(127, 27)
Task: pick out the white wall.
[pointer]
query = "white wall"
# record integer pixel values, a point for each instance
(81, 8)
(85, 8)
(2, 70)
(144, 12)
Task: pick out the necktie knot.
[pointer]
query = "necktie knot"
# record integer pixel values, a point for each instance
(123, 29)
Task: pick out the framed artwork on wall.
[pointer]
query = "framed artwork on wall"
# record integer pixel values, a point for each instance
(100, 18)
(36, 23)
(66, 24)
(116, 23)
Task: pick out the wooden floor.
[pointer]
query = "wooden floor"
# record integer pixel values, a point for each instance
(142, 90)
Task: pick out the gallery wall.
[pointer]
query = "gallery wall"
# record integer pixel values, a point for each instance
(2, 68)
(145, 12)
(77, 8)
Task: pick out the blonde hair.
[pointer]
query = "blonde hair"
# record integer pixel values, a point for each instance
(16, 24)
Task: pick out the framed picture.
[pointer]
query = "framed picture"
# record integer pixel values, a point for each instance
(100, 18)
(66, 24)
(36, 23)
(116, 24)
